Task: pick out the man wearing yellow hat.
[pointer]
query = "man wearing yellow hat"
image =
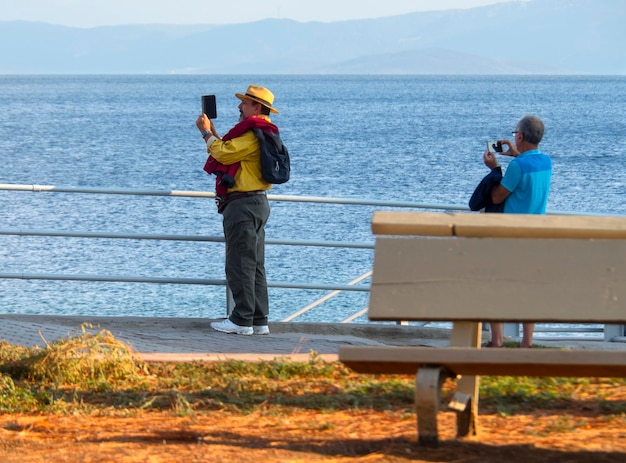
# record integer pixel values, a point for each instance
(244, 207)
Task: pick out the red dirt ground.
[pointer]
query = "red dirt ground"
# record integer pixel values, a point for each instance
(563, 435)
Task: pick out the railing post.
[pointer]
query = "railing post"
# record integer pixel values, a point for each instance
(613, 331)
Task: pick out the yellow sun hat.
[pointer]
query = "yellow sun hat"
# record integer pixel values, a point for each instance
(260, 95)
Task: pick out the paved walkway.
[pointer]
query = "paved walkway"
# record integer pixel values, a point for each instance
(186, 339)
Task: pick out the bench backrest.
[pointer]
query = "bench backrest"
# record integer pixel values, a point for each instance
(499, 267)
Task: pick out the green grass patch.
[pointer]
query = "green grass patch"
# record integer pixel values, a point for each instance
(95, 373)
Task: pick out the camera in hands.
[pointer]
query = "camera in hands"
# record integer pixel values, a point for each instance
(494, 147)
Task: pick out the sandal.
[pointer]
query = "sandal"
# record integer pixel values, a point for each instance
(490, 344)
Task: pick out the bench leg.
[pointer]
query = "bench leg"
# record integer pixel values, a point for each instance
(428, 385)
(465, 401)
(465, 418)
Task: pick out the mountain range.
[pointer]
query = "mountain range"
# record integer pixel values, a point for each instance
(520, 37)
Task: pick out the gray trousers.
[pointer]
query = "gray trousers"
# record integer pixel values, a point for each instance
(244, 231)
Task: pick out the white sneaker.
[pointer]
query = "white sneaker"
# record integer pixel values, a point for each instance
(261, 329)
(226, 326)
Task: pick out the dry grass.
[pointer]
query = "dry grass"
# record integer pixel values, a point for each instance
(89, 399)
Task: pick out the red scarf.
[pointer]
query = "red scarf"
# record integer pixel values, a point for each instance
(250, 123)
(212, 166)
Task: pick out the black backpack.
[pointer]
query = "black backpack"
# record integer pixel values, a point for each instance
(275, 163)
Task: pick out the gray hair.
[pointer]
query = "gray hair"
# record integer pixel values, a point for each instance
(532, 128)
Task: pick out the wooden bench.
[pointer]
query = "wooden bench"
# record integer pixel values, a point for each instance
(472, 268)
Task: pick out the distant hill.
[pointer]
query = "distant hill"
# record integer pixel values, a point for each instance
(524, 37)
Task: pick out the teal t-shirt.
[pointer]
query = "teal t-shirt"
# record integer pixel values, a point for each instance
(528, 179)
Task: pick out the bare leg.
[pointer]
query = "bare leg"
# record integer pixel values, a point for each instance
(497, 337)
(527, 338)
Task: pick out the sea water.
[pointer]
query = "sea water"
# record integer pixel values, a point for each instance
(396, 138)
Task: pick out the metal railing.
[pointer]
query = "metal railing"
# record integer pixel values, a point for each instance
(615, 332)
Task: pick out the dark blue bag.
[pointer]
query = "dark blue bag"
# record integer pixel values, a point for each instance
(275, 162)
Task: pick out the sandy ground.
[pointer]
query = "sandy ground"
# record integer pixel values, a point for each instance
(563, 435)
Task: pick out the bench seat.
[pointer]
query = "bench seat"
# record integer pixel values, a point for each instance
(485, 362)
(498, 225)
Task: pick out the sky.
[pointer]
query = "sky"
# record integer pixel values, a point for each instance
(91, 13)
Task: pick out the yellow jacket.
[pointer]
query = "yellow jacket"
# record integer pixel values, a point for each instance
(244, 149)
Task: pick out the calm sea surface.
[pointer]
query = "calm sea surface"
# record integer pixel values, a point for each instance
(398, 138)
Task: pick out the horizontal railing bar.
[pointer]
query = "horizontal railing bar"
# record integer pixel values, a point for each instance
(330, 244)
(369, 202)
(105, 191)
(568, 330)
(111, 279)
(129, 236)
(159, 237)
(207, 194)
(286, 198)
(362, 289)
(162, 280)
